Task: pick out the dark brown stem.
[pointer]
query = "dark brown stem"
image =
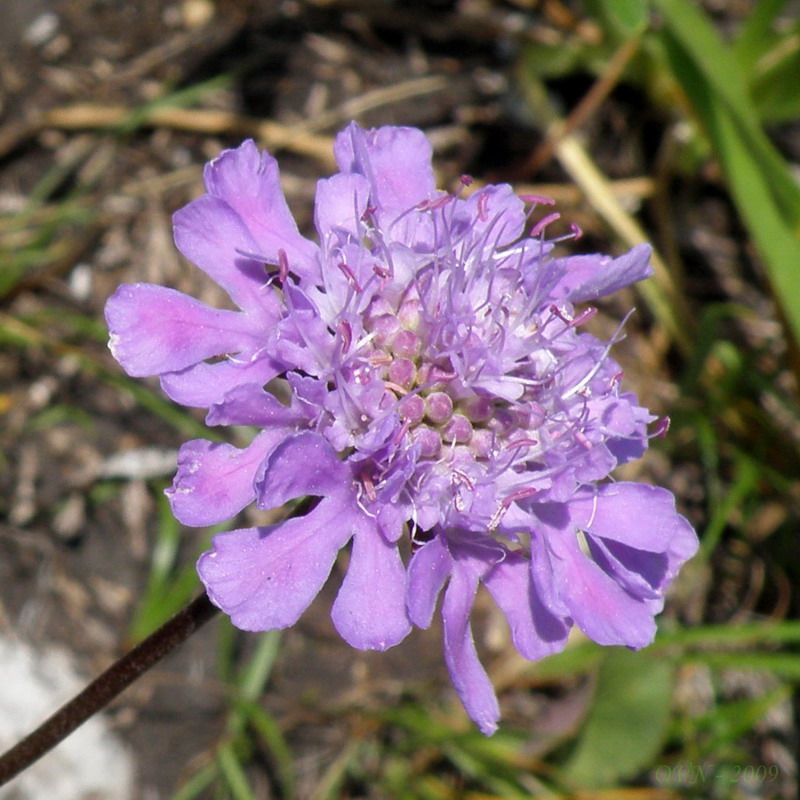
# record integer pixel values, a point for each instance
(106, 687)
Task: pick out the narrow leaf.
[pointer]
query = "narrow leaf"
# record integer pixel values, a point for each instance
(628, 721)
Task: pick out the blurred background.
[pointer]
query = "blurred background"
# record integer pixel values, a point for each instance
(674, 121)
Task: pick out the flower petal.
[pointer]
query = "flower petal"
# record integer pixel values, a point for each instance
(214, 481)
(640, 573)
(428, 570)
(601, 608)
(249, 404)
(636, 515)
(265, 578)
(369, 612)
(469, 678)
(591, 276)
(248, 181)
(156, 330)
(496, 208)
(304, 464)
(545, 573)
(339, 206)
(396, 161)
(213, 237)
(204, 384)
(536, 632)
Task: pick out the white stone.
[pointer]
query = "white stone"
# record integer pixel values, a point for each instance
(90, 764)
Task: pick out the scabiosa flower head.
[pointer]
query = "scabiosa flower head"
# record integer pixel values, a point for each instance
(420, 372)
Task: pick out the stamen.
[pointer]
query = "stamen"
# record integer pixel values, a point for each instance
(506, 503)
(379, 359)
(537, 199)
(348, 273)
(584, 316)
(401, 432)
(283, 265)
(437, 202)
(483, 210)
(543, 223)
(518, 444)
(592, 372)
(369, 486)
(556, 311)
(346, 332)
(661, 427)
(395, 387)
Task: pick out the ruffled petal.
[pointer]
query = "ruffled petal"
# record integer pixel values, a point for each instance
(304, 464)
(156, 330)
(639, 572)
(496, 209)
(213, 237)
(214, 481)
(548, 580)
(396, 162)
(591, 276)
(249, 404)
(341, 201)
(601, 608)
(536, 632)
(204, 384)
(369, 612)
(265, 578)
(428, 570)
(248, 181)
(636, 515)
(468, 675)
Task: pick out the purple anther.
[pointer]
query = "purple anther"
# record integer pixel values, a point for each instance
(584, 316)
(350, 275)
(283, 265)
(544, 222)
(346, 332)
(537, 199)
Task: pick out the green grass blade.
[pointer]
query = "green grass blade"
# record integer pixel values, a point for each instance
(764, 191)
(757, 34)
(626, 17)
(745, 484)
(774, 84)
(750, 635)
(255, 675)
(783, 665)
(233, 773)
(727, 723)
(710, 73)
(267, 728)
(198, 783)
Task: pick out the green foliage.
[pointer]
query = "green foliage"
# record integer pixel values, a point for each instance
(626, 726)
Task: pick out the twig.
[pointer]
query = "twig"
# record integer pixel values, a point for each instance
(91, 116)
(106, 687)
(586, 107)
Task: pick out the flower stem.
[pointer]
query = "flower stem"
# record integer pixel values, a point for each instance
(106, 687)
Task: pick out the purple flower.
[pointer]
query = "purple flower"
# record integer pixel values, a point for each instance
(421, 376)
